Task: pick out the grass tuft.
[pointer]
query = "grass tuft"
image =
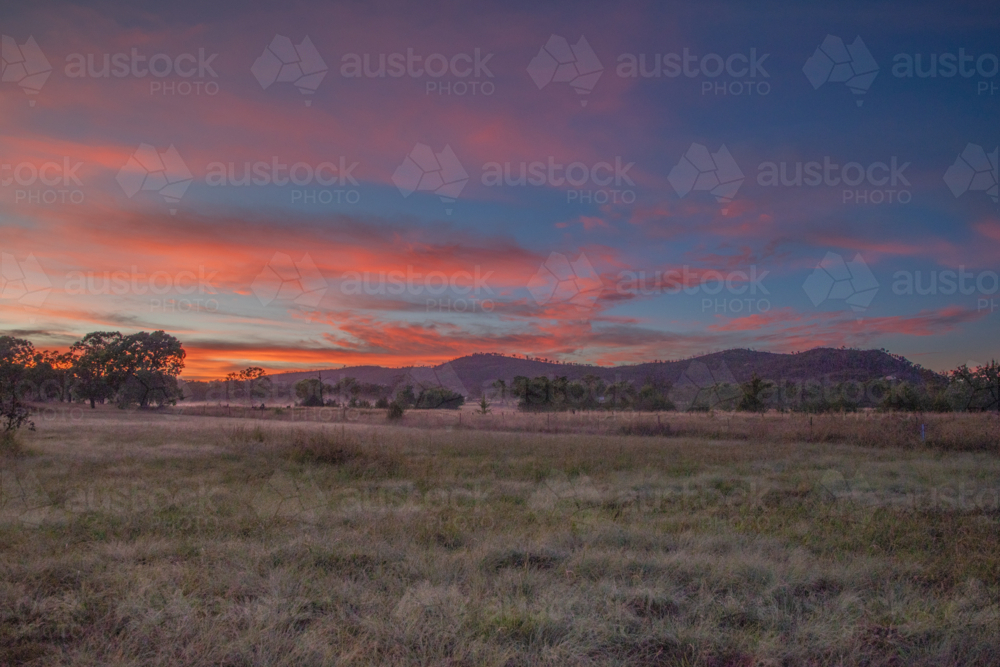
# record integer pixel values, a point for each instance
(11, 446)
(360, 460)
(645, 428)
(518, 558)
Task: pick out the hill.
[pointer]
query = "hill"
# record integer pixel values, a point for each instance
(469, 374)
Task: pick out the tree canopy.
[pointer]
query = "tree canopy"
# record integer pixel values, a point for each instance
(135, 369)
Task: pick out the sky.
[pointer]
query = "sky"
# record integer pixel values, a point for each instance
(306, 185)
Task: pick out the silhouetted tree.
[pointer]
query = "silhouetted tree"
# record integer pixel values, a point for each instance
(16, 356)
(752, 399)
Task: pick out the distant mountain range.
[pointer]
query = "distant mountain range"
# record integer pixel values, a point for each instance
(469, 374)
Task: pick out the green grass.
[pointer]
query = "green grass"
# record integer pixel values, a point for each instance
(150, 539)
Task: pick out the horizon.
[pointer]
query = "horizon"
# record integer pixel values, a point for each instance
(694, 357)
(305, 187)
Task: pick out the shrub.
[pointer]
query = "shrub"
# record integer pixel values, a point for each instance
(439, 398)
(15, 358)
(406, 397)
(396, 410)
(15, 415)
(310, 391)
(753, 398)
(360, 460)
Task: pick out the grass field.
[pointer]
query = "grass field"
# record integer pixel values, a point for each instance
(132, 538)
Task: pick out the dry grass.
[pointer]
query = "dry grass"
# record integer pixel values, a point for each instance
(866, 428)
(172, 539)
(10, 446)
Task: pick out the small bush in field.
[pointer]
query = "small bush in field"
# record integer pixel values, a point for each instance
(361, 460)
(395, 411)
